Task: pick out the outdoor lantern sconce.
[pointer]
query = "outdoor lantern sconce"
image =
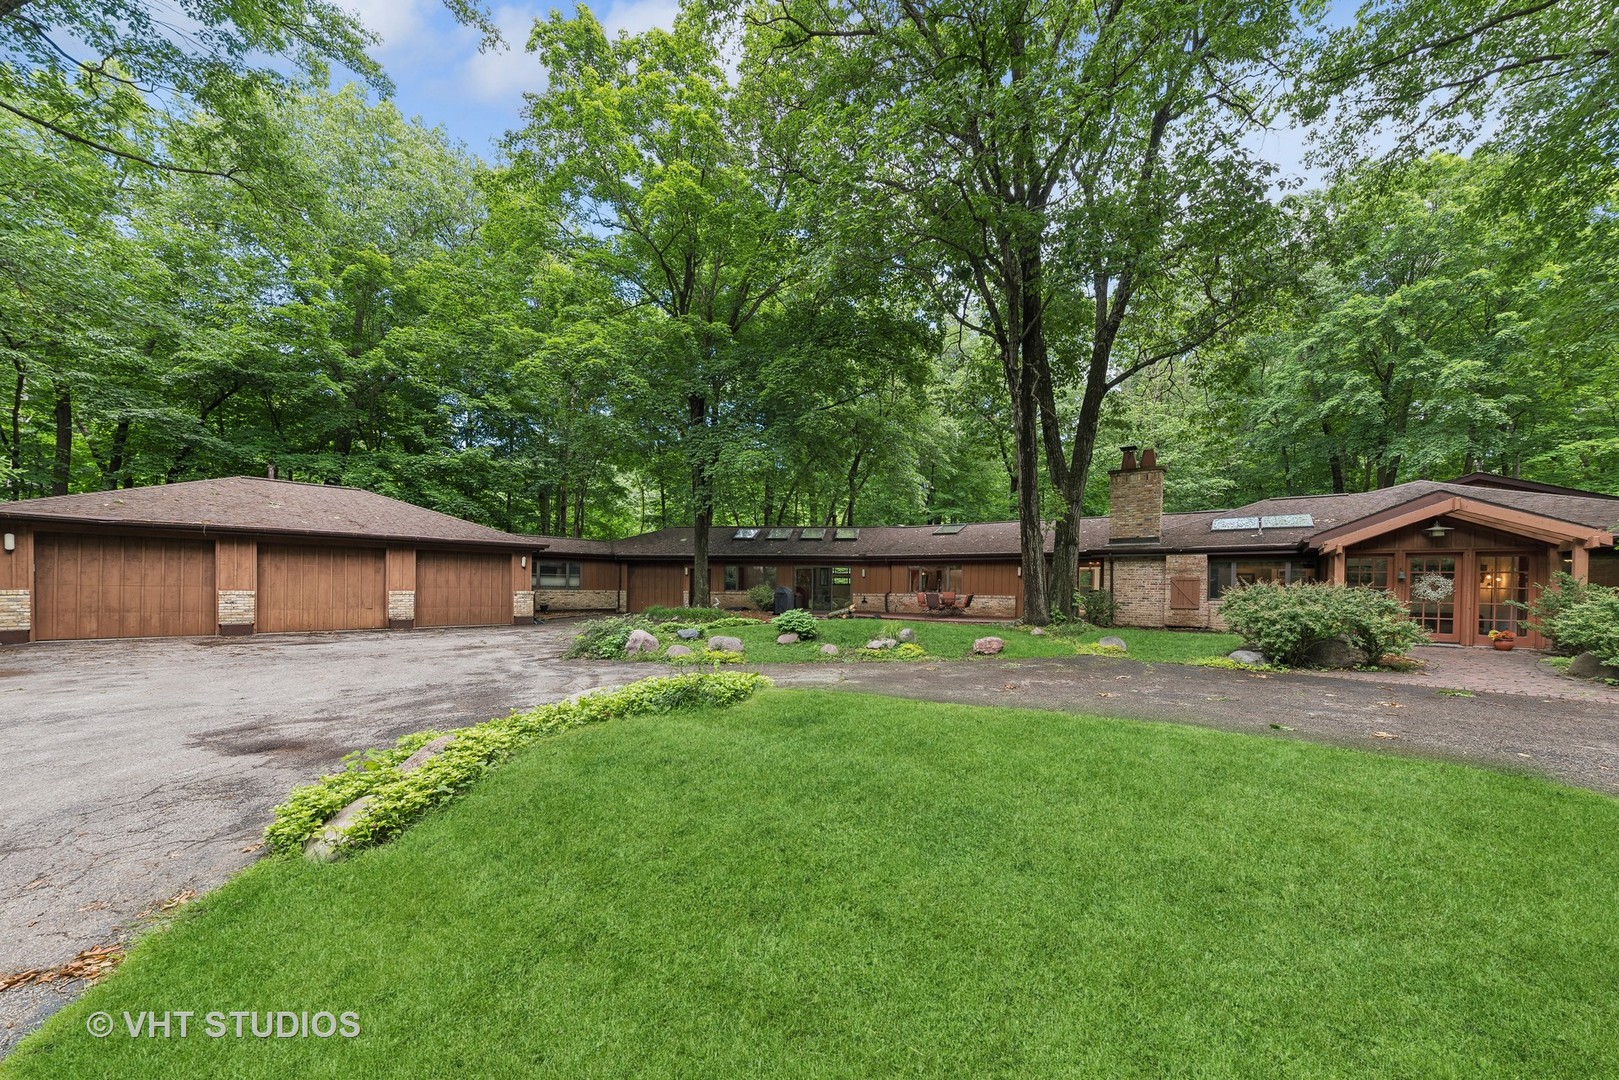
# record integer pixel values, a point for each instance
(1436, 530)
(523, 562)
(11, 542)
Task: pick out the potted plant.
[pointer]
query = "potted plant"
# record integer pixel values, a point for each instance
(1502, 639)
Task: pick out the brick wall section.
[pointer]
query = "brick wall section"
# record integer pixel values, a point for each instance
(401, 605)
(16, 613)
(522, 604)
(1187, 566)
(1135, 504)
(1140, 591)
(983, 606)
(579, 599)
(238, 607)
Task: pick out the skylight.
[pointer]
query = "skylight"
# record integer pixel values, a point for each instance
(948, 530)
(812, 534)
(846, 534)
(779, 534)
(745, 534)
(1268, 521)
(1233, 524)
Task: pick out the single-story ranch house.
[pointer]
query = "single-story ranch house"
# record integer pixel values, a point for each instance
(244, 554)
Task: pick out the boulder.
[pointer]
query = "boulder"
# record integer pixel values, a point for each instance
(691, 633)
(1333, 653)
(1587, 666)
(328, 846)
(640, 642)
(907, 634)
(721, 643)
(1246, 656)
(829, 650)
(988, 646)
(1111, 642)
(880, 643)
(786, 639)
(1037, 631)
(428, 751)
(677, 650)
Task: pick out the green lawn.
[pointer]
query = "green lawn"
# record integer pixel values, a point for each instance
(833, 885)
(953, 641)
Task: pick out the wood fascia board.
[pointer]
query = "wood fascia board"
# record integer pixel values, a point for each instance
(1437, 504)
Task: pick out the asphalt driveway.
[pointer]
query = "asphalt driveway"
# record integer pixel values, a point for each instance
(136, 771)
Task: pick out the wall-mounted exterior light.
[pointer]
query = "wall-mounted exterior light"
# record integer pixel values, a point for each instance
(11, 542)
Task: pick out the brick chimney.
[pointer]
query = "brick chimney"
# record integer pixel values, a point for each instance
(1136, 499)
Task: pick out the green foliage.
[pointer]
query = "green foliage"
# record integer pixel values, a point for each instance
(703, 655)
(1284, 621)
(905, 650)
(604, 639)
(397, 799)
(1225, 663)
(1579, 617)
(797, 621)
(1096, 606)
(762, 597)
(688, 616)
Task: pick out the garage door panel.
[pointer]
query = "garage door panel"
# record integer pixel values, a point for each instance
(462, 589)
(320, 588)
(116, 586)
(655, 585)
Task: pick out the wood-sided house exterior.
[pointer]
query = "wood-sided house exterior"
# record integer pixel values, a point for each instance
(1489, 542)
(242, 555)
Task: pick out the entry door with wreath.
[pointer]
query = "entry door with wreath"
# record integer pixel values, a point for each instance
(1432, 591)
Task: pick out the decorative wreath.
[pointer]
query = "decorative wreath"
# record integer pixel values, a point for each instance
(1432, 588)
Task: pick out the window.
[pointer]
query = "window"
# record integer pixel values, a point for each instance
(1503, 591)
(812, 534)
(948, 530)
(1226, 573)
(936, 579)
(739, 578)
(733, 577)
(846, 534)
(779, 534)
(745, 534)
(556, 575)
(1367, 571)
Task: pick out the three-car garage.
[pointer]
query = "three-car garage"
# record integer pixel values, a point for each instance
(244, 555)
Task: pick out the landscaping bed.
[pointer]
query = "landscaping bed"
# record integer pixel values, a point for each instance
(838, 885)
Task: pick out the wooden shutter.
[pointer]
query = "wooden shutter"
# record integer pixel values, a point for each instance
(1185, 593)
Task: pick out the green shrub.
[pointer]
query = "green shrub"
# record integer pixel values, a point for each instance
(909, 650)
(1284, 621)
(707, 656)
(762, 597)
(1096, 605)
(603, 639)
(730, 620)
(689, 615)
(797, 621)
(397, 799)
(1578, 617)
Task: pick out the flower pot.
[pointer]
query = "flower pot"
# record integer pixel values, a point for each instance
(1502, 644)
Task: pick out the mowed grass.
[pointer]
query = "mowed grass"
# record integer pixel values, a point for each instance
(954, 641)
(835, 885)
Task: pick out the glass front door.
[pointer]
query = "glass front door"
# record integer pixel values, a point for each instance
(1431, 589)
(823, 588)
(1503, 583)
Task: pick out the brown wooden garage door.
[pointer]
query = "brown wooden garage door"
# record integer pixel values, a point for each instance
(457, 589)
(320, 588)
(664, 586)
(116, 586)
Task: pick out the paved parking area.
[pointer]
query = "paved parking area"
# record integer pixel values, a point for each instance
(134, 771)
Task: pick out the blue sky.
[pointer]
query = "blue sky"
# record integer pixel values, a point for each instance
(441, 76)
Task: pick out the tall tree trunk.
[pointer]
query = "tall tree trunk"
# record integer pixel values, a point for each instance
(115, 478)
(702, 481)
(854, 487)
(62, 465)
(560, 524)
(16, 434)
(579, 509)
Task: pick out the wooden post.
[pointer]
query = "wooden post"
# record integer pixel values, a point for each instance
(1582, 564)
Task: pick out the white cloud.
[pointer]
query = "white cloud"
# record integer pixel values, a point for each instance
(400, 23)
(639, 16)
(500, 75)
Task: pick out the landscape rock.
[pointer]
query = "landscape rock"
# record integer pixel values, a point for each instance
(879, 643)
(691, 633)
(988, 646)
(1333, 654)
(640, 642)
(829, 650)
(786, 639)
(1037, 631)
(678, 650)
(1111, 642)
(1587, 666)
(907, 634)
(721, 643)
(1246, 656)
(427, 752)
(328, 846)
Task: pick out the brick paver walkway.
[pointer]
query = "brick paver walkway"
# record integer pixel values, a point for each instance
(1518, 671)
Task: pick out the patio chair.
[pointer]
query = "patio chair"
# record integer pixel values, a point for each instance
(933, 601)
(921, 599)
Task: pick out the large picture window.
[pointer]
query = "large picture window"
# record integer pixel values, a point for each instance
(556, 575)
(936, 579)
(739, 577)
(1229, 573)
(1367, 572)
